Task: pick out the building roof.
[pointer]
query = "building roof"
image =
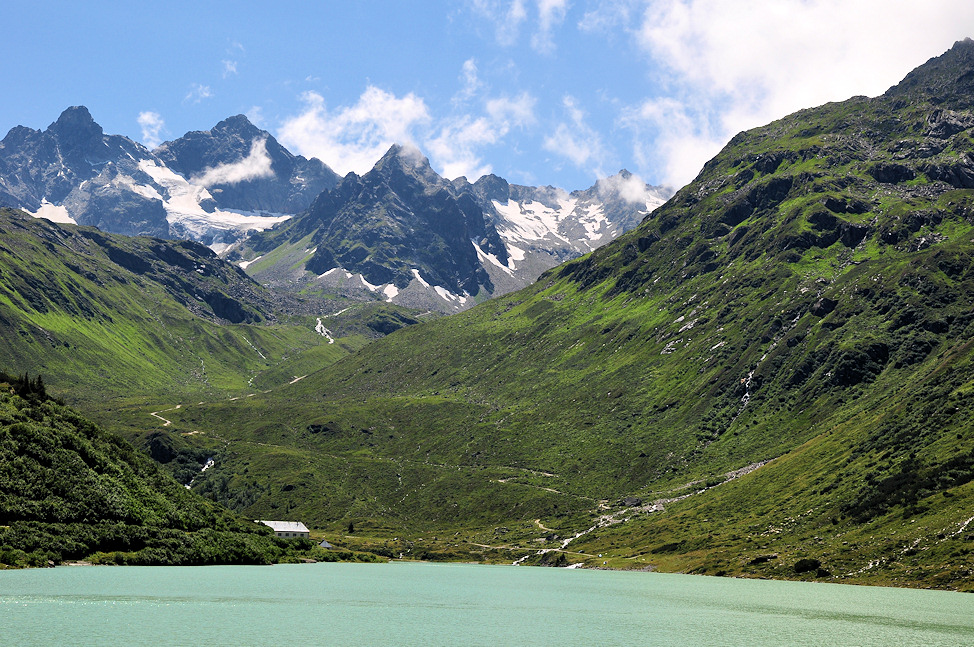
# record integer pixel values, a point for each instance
(285, 526)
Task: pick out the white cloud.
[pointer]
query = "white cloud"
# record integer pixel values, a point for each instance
(256, 165)
(471, 80)
(352, 138)
(256, 116)
(509, 27)
(631, 189)
(551, 13)
(152, 126)
(198, 92)
(734, 66)
(609, 15)
(509, 15)
(518, 111)
(455, 147)
(576, 140)
(229, 68)
(673, 137)
(506, 15)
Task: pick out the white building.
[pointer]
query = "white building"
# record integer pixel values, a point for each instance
(288, 529)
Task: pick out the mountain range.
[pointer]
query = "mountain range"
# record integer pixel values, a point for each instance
(209, 186)
(409, 236)
(771, 375)
(221, 186)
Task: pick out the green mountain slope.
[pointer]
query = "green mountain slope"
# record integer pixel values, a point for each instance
(70, 491)
(126, 328)
(118, 314)
(770, 376)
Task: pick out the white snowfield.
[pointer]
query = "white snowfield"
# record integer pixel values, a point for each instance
(580, 225)
(532, 220)
(53, 212)
(183, 202)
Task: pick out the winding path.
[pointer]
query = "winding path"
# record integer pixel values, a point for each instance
(166, 421)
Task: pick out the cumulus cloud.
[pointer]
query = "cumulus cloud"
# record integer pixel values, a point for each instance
(229, 68)
(734, 66)
(672, 136)
(576, 140)
(152, 126)
(630, 188)
(352, 138)
(256, 165)
(455, 148)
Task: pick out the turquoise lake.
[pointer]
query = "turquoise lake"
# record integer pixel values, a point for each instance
(452, 604)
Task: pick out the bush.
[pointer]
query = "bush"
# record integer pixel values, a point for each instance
(807, 564)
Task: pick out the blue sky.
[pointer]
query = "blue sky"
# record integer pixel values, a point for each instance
(553, 92)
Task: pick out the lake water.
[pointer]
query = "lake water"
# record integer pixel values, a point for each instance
(434, 604)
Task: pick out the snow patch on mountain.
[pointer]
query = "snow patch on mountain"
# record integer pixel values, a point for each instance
(53, 212)
(531, 220)
(492, 258)
(245, 264)
(446, 295)
(420, 278)
(191, 207)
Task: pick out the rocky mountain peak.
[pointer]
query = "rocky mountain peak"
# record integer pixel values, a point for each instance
(246, 169)
(405, 170)
(492, 187)
(949, 78)
(76, 130)
(76, 121)
(238, 125)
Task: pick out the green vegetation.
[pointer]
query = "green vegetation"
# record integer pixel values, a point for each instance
(801, 312)
(773, 376)
(70, 491)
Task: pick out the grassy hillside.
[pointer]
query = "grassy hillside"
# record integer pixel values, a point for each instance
(70, 491)
(770, 376)
(126, 327)
(104, 315)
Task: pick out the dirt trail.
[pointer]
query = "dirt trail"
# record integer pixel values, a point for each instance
(166, 422)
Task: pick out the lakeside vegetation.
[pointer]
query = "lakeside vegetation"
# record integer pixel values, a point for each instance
(70, 491)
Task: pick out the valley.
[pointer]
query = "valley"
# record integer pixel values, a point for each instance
(769, 375)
